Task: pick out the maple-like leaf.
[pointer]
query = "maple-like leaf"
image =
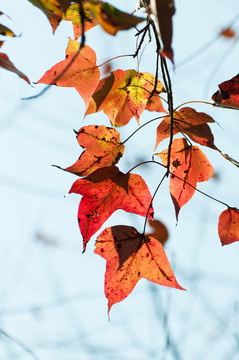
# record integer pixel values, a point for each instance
(228, 93)
(130, 257)
(8, 65)
(228, 226)
(189, 122)
(4, 30)
(52, 9)
(188, 166)
(111, 19)
(122, 95)
(73, 15)
(83, 73)
(103, 149)
(105, 191)
(163, 10)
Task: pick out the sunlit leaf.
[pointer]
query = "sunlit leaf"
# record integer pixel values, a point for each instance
(130, 257)
(228, 93)
(228, 226)
(122, 95)
(73, 15)
(111, 19)
(188, 166)
(83, 74)
(102, 148)
(105, 191)
(189, 122)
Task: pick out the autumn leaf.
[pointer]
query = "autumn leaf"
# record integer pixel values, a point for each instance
(103, 149)
(105, 191)
(8, 65)
(64, 4)
(159, 232)
(188, 166)
(130, 257)
(163, 10)
(52, 9)
(139, 90)
(228, 93)
(189, 122)
(6, 31)
(122, 95)
(73, 15)
(155, 104)
(228, 226)
(228, 33)
(111, 19)
(83, 73)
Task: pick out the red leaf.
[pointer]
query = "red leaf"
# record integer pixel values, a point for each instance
(228, 93)
(188, 165)
(83, 74)
(103, 149)
(159, 232)
(105, 191)
(189, 122)
(228, 226)
(130, 257)
(228, 33)
(8, 65)
(155, 104)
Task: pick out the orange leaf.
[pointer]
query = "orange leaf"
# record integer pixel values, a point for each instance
(73, 15)
(103, 149)
(8, 65)
(228, 226)
(130, 257)
(105, 191)
(111, 19)
(159, 232)
(189, 122)
(52, 9)
(188, 165)
(155, 104)
(83, 74)
(228, 33)
(122, 95)
(228, 93)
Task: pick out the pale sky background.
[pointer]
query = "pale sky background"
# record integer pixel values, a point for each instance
(52, 303)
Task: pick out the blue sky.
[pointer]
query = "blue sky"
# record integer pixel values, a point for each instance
(52, 298)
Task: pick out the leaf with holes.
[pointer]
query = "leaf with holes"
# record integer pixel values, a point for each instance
(105, 191)
(111, 19)
(73, 15)
(102, 149)
(228, 93)
(189, 122)
(228, 226)
(130, 257)
(188, 166)
(83, 73)
(122, 95)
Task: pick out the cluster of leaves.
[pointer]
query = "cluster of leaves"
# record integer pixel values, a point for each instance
(122, 95)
